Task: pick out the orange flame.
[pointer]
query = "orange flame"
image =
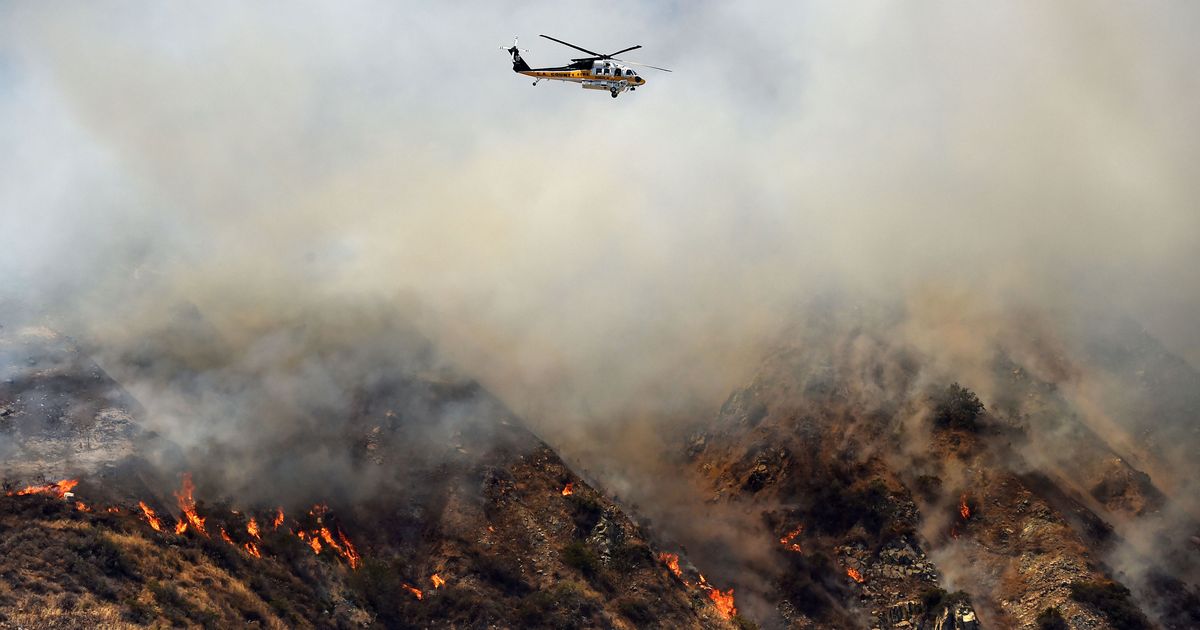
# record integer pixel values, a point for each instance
(151, 517)
(310, 540)
(415, 591)
(278, 519)
(568, 489)
(672, 562)
(113, 510)
(58, 489)
(349, 552)
(723, 600)
(855, 575)
(188, 506)
(82, 507)
(225, 536)
(963, 510)
(786, 541)
(252, 549)
(437, 580)
(252, 528)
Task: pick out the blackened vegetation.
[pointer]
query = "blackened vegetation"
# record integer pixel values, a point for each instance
(957, 407)
(1114, 601)
(812, 584)
(935, 600)
(1051, 619)
(1176, 604)
(839, 501)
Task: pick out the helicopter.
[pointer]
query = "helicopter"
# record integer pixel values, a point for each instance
(598, 72)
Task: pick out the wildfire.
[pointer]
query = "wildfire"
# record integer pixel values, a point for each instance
(568, 489)
(187, 505)
(416, 592)
(672, 562)
(225, 536)
(82, 507)
(278, 519)
(340, 544)
(437, 580)
(58, 489)
(855, 575)
(786, 541)
(252, 549)
(723, 600)
(252, 528)
(963, 509)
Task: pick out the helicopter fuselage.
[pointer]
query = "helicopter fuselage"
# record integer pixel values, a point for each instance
(598, 72)
(591, 75)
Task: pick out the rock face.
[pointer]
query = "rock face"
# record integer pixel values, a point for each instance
(58, 409)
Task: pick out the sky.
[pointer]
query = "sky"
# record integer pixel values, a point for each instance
(576, 252)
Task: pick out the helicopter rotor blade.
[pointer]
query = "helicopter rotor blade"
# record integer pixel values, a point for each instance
(623, 50)
(645, 65)
(596, 54)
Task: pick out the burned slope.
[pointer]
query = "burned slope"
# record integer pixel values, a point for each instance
(352, 485)
(887, 485)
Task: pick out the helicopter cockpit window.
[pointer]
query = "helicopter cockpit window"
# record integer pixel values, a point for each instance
(629, 73)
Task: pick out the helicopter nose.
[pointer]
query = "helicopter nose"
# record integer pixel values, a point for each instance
(640, 80)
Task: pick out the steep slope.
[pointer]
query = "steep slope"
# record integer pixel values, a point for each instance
(887, 485)
(417, 501)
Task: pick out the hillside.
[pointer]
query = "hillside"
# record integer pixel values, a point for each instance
(447, 514)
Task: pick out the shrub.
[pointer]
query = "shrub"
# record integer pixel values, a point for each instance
(563, 606)
(636, 611)
(501, 572)
(957, 408)
(1051, 619)
(629, 558)
(744, 624)
(579, 556)
(586, 512)
(1113, 600)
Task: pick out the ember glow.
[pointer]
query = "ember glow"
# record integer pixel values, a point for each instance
(786, 541)
(187, 505)
(437, 580)
(416, 592)
(225, 536)
(58, 489)
(855, 575)
(723, 600)
(963, 509)
(568, 489)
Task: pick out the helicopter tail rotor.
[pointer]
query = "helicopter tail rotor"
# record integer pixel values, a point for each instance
(519, 64)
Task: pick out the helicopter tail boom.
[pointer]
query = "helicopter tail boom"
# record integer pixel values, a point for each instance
(519, 64)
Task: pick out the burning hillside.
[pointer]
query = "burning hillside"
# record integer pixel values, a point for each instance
(471, 521)
(905, 490)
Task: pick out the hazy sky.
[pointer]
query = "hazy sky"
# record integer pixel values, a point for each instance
(258, 158)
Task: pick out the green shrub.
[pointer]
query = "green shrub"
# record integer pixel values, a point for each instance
(957, 408)
(581, 557)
